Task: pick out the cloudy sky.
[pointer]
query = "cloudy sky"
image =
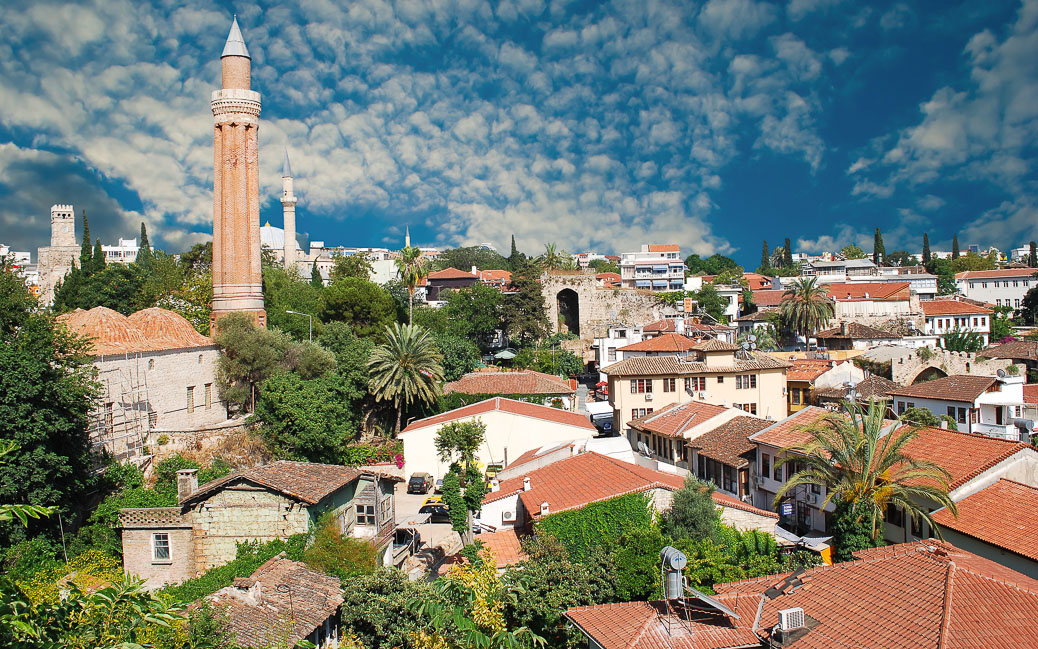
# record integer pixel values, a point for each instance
(597, 125)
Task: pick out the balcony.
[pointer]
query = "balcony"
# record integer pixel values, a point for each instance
(1001, 431)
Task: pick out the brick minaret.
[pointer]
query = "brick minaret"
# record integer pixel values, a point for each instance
(288, 204)
(237, 276)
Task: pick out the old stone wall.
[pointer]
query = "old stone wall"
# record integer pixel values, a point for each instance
(743, 520)
(907, 367)
(54, 263)
(598, 307)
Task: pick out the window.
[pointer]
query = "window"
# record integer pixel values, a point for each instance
(612, 353)
(720, 379)
(365, 514)
(109, 417)
(975, 322)
(160, 546)
(190, 398)
(695, 383)
(794, 396)
(895, 516)
(753, 381)
(910, 404)
(962, 416)
(738, 381)
(669, 385)
(951, 411)
(765, 465)
(919, 527)
(384, 510)
(1016, 303)
(639, 386)
(151, 363)
(208, 396)
(638, 413)
(900, 407)
(998, 302)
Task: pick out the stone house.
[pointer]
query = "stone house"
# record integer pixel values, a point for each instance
(170, 544)
(536, 386)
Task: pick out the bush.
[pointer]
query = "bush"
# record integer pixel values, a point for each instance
(693, 514)
(377, 608)
(334, 553)
(598, 524)
(27, 558)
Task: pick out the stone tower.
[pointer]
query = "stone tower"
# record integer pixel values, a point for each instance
(288, 204)
(57, 259)
(237, 276)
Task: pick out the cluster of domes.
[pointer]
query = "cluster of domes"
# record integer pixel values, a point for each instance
(154, 329)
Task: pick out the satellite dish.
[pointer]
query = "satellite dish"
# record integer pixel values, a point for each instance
(1001, 374)
(752, 338)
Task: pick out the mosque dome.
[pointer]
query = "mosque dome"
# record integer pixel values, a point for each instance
(164, 329)
(110, 332)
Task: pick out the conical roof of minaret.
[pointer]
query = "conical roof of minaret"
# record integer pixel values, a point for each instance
(286, 169)
(235, 45)
(407, 236)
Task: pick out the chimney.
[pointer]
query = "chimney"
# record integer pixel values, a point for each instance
(187, 483)
(475, 271)
(544, 508)
(526, 483)
(247, 589)
(844, 329)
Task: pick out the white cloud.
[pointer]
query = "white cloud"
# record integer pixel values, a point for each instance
(799, 9)
(736, 19)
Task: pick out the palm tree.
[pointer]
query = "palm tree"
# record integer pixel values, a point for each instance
(859, 463)
(406, 368)
(806, 306)
(555, 259)
(413, 268)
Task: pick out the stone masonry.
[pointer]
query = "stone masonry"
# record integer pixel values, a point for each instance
(599, 307)
(57, 259)
(905, 368)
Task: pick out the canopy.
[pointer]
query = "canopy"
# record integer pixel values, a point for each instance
(598, 408)
(505, 354)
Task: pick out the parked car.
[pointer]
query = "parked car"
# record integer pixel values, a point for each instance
(439, 486)
(420, 483)
(438, 512)
(432, 500)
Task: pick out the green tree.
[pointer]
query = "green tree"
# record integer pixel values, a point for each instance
(524, 314)
(765, 338)
(603, 266)
(434, 319)
(555, 259)
(97, 260)
(851, 530)
(806, 306)
(479, 256)
(852, 251)
(712, 265)
(199, 258)
(1032, 256)
(920, 417)
(942, 268)
(364, 305)
(315, 276)
(284, 291)
(463, 486)
(357, 265)
(858, 463)
(334, 553)
(693, 514)
(544, 358)
(1001, 323)
(47, 392)
(926, 248)
(377, 607)
(413, 267)
(86, 250)
(787, 254)
(748, 305)
(193, 300)
(901, 258)
(474, 311)
(879, 251)
(406, 368)
(972, 261)
(963, 340)
(710, 301)
(460, 355)
(144, 254)
(765, 259)
(731, 277)
(955, 246)
(1029, 307)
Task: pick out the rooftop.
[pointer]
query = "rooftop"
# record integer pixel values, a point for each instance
(768, 297)
(304, 481)
(1008, 273)
(963, 388)
(873, 387)
(450, 273)
(668, 342)
(856, 331)
(1001, 515)
(791, 430)
(1024, 350)
(951, 307)
(808, 369)
(502, 404)
(868, 291)
(676, 419)
(963, 455)
(729, 442)
(257, 608)
(666, 247)
(521, 382)
(715, 345)
(673, 366)
(154, 329)
(506, 546)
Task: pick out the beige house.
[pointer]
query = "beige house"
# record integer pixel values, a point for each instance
(513, 428)
(170, 544)
(711, 371)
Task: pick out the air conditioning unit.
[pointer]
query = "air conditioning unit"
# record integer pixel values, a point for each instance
(648, 396)
(812, 498)
(791, 619)
(702, 395)
(508, 517)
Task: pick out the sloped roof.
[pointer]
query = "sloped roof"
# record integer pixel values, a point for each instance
(664, 247)
(715, 345)
(730, 441)
(1005, 273)
(154, 329)
(311, 598)
(768, 297)
(1031, 394)
(951, 307)
(506, 546)
(1024, 350)
(504, 405)
(856, 331)
(963, 455)
(668, 342)
(674, 420)
(164, 329)
(304, 481)
(674, 366)
(958, 387)
(808, 369)
(868, 291)
(1001, 514)
(788, 432)
(450, 273)
(521, 382)
(874, 386)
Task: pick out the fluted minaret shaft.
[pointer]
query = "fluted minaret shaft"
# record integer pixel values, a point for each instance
(288, 204)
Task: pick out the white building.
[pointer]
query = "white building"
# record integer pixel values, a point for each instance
(999, 287)
(923, 285)
(124, 253)
(655, 267)
(987, 405)
(944, 316)
(617, 336)
(839, 270)
(583, 259)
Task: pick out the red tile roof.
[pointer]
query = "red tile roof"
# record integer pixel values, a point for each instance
(790, 431)
(670, 364)
(768, 297)
(148, 330)
(808, 369)
(729, 442)
(664, 247)
(1023, 350)
(963, 455)
(715, 345)
(502, 404)
(921, 595)
(506, 546)
(1001, 515)
(882, 291)
(663, 343)
(305, 481)
(495, 276)
(1008, 273)
(724, 500)
(951, 307)
(674, 420)
(856, 331)
(450, 273)
(521, 382)
(1031, 394)
(958, 387)
(612, 277)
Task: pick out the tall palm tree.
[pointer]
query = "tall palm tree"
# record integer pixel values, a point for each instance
(806, 306)
(405, 368)
(413, 267)
(858, 462)
(554, 259)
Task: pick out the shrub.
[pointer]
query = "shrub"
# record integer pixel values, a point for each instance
(598, 524)
(334, 553)
(693, 513)
(163, 439)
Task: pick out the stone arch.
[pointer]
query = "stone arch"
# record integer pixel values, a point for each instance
(928, 374)
(569, 310)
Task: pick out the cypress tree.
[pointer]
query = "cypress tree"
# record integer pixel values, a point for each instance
(787, 256)
(955, 246)
(86, 249)
(144, 252)
(315, 276)
(97, 263)
(515, 251)
(878, 251)
(1032, 258)
(926, 248)
(765, 257)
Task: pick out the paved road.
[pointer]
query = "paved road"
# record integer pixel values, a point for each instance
(433, 534)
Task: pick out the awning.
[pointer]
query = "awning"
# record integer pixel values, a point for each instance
(505, 355)
(642, 284)
(643, 269)
(660, 269)
(660, 284)
(598, 408)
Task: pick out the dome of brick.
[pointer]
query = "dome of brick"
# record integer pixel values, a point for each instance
(164, 329)
(110, 332)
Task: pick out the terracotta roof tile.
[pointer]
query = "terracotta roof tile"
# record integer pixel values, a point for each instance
(963, 455)
(506, 546)
(874, 386)
(305, 481)
(521, 382)
(278, 617)
(674, 366)
(958, 387)
(1023, 350)
(768, 297)
(1008, 273)
(790, 431)
(729, 442)
(450, 273)
(715, 345)
(505, 405)
(808, 369)
(664, 247)
(881, 291)
(164, 329)
(724, 500)
(668, 342)
(856, 331)
(154, 329)
(951, 307)
(677, 418)
(1001, 514)
(1031, 394)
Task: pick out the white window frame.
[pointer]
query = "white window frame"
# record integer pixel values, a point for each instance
(169, 548)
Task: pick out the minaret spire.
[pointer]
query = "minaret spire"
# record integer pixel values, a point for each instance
(235, 45)
(288, 206)
(407, 236)
(286, 168)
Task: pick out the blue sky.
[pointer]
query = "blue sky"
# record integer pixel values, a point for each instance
(596, 125)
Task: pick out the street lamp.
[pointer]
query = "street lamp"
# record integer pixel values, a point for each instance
(311, 321)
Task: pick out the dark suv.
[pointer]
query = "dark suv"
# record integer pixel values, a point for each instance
(420, 483)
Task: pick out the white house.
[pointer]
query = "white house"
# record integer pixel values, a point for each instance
(654, 267)
(986, 405)
(617, 336)
(838, 270)
(944, 316)
(855, 300)
(512, 428)
(1005, 287)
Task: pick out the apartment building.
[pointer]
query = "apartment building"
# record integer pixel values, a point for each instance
(1005, 287)
(854, 300)
(617, 336)
(943, 316)
(655, 267)
(711, 371)
(986, 405)
(839, 270)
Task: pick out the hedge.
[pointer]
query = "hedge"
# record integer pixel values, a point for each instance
(597, 524)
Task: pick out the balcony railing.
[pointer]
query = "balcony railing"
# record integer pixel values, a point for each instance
(1001, 431)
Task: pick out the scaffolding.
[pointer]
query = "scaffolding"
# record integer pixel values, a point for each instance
(119, 424)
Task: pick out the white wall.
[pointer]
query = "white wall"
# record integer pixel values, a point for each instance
(1003, 291)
